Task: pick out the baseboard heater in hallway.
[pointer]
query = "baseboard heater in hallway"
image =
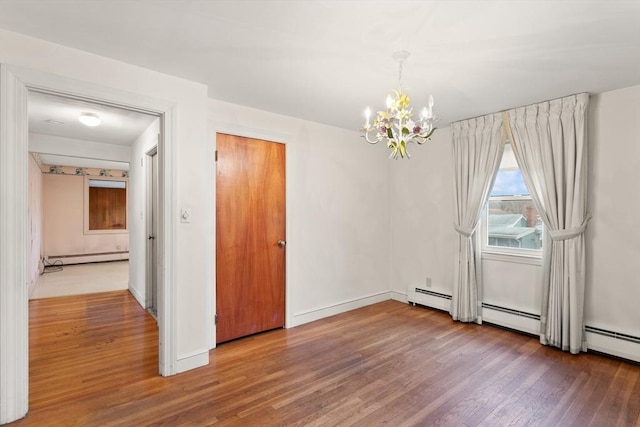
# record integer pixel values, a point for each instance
(92, 257)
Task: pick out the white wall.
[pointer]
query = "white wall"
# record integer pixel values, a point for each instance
(514, 284)
(50, 144)
(138, 211)
(87, 72)
(422, 234)
(35, 223)
(64, 211)
(613, 235)
(337, 210)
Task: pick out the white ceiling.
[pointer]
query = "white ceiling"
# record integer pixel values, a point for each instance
(51, 114)
(326, 60)
(118, 126)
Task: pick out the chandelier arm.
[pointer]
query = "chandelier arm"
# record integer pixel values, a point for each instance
(370, 141)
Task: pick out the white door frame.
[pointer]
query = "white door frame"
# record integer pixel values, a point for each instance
(150, 264)
(14, 294)
(14, 323)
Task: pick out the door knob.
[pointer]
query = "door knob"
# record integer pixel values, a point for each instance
(282, 243)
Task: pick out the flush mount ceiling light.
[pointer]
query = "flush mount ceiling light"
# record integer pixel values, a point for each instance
(89, 119)
(395, 126)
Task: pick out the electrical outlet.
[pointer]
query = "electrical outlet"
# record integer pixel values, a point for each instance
(428, 283)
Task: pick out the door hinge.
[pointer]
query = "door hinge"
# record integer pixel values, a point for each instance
(215, 319)
(216, 155)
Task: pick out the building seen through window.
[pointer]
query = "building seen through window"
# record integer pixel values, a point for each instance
(512, 220)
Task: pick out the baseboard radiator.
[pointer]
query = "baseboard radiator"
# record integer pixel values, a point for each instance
(428, 298)
(601, 340)
(86, 258)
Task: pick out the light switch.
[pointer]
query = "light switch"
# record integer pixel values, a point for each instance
(185, 215)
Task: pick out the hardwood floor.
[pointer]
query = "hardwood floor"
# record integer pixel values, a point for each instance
(94, 363)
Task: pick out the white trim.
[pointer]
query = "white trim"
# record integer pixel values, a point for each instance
(88, 258)
(514, 258)
(249, 132)
(398, 296)
(616, 347)
(138, 297)
(86, 213)
(167, 240)
(192, 360)
(14, 309)
(210, 248)
(148, 226)
(265, 135)
(341, 307)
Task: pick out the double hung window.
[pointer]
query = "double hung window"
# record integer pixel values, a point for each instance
(511, 223)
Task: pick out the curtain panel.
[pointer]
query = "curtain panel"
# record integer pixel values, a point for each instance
(549, 141)
(477, 149)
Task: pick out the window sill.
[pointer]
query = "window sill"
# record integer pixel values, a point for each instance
(492, 255)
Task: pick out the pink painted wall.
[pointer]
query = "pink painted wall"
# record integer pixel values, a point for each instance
(63, 201)
(36, 249)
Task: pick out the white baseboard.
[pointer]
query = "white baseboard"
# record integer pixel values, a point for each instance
(613, 346)
(192, 360)
(138, 297)
(83, 259)
(399, 296)
(342, 307)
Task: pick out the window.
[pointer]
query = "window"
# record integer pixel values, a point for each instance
(511, 221)
(105, 205)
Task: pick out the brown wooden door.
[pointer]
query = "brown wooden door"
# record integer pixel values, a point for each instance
(250, 222)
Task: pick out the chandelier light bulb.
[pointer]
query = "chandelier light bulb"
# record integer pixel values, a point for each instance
(89, 119)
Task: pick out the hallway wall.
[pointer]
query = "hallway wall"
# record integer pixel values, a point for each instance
(64, 211)
(35, 231)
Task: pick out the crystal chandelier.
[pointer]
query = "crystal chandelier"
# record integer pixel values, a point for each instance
(396, 126)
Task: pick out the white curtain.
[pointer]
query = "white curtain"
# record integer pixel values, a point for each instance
(550, 144)
(477, 149)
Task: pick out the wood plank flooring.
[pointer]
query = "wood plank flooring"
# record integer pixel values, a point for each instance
(94, 363)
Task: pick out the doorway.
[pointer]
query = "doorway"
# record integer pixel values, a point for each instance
(15, 83)
(95, 194)
(82, 202)
(250, 236)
